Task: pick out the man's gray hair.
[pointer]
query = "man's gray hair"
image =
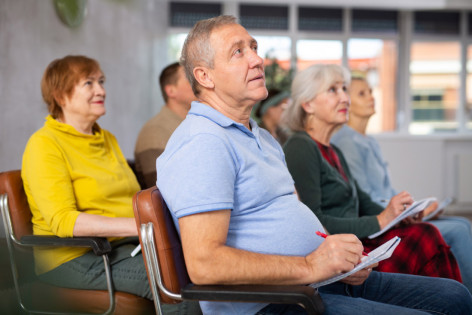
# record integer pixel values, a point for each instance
(306, 85)
(197, 50)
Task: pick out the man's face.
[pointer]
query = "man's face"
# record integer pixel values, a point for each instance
(185, 94)
(238, 72)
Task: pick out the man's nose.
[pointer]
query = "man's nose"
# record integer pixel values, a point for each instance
(255, 59)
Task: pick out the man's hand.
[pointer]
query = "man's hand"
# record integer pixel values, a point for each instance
(337, 254)
(359, 277)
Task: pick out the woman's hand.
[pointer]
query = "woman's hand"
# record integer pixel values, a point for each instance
(397, 205)
(432, 207)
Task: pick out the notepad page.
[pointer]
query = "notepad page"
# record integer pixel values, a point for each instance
(440, 207)
(382, 252)
(415, 207)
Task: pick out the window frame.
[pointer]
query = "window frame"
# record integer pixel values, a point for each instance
(403, 38)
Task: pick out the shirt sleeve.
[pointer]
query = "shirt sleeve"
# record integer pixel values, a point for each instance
(199, 176)
(48, 186)
(355, 160)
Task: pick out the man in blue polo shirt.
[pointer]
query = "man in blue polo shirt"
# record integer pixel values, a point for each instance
(234, 203)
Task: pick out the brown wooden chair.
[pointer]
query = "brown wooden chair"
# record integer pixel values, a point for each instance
(168, 275)
(37, 297)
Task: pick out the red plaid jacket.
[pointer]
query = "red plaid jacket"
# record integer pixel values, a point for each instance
(422, 251)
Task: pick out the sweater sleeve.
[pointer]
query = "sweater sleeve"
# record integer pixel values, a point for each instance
(304, 162)
(48, 188)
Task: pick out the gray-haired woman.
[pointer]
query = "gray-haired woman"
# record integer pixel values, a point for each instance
(320, 105)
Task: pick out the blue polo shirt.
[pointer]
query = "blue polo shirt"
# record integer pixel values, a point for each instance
(213, 163)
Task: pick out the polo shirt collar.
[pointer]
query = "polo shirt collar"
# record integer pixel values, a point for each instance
(200, 109)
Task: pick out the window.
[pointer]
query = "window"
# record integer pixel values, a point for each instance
(374, 21)
(175, 43)
(320, 19)
(468, 107)
(310, 52)
(437, 22)
(469, 18)
(186, 14)
(376, 60)
(435, 86)
(427, 93)
(264, 17)
(276, 51)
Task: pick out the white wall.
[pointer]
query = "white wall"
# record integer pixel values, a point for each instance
(128, 38)
(431, 166)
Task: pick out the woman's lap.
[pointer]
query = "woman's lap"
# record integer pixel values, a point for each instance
(422, 251)
(88, 272)
(129, 275)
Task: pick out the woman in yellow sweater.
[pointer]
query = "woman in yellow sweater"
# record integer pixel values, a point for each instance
(78, 182)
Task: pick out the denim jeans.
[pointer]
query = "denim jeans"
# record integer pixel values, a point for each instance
(386, 293)
(457, 234)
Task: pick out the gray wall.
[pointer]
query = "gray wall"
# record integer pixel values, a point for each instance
(127, 37)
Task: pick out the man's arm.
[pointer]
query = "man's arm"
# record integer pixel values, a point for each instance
(210, 261)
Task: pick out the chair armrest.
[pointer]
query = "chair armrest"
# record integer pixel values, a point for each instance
(133, 240)
(100, 245)
(285, 294)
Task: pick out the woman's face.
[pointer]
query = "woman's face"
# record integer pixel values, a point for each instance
(275, 112)
(362, 100)
(328, 108)
(87, 101)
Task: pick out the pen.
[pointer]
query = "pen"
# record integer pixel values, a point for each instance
(325, 236)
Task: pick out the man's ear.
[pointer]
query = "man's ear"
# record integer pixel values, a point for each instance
(170, 90)
(203, 77)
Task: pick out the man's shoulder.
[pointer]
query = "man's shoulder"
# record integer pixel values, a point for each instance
(158, 129)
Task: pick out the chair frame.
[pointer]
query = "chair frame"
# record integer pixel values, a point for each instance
(100, 246)
(305, 296)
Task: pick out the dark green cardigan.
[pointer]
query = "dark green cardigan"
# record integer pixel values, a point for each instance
(342, 207)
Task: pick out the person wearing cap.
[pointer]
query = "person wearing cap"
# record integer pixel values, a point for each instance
(270, 111)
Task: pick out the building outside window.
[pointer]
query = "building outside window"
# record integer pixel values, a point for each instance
(435, 85)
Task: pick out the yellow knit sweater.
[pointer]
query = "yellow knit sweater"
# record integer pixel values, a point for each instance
(65, 173)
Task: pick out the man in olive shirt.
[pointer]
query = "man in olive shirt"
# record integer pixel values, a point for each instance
(153, 137)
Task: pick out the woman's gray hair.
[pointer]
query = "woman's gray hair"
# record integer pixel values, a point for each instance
(197, 50)
(306, 85)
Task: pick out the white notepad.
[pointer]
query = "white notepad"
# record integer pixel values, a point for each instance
(440, 207)
(415, 208)
(382, 252)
